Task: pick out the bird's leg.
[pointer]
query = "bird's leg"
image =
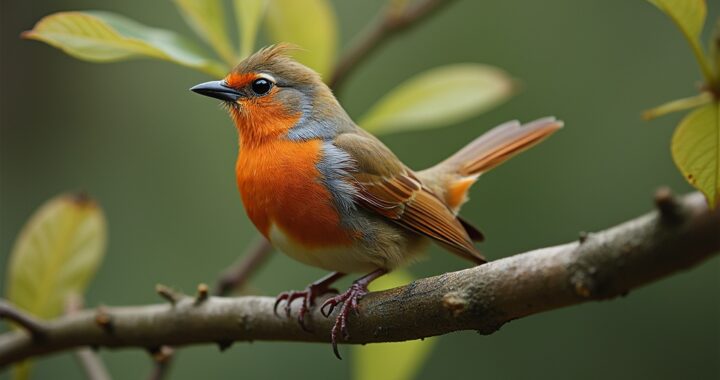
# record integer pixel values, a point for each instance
(349, 299)
(314, 290)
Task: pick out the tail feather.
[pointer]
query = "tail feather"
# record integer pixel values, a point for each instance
(453, 177)
(498, 145)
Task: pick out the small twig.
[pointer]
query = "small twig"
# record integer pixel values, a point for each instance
(162, 357)
(202, 294)
(390, 22)
(609, 264)
(237, 275)
(34, 326)
(234, 277)
(168, 293)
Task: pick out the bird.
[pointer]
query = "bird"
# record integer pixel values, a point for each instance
(331, 195)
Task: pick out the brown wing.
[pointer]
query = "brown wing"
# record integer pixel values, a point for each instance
(388, 188)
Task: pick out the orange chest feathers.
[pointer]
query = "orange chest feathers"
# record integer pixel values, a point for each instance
(282, 188)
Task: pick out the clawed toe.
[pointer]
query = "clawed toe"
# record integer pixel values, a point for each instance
(308, 297)
(349, 301)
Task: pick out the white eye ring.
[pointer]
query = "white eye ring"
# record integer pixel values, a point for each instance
(266, 76)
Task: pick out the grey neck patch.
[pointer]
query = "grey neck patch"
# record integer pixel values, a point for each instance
(314, 124)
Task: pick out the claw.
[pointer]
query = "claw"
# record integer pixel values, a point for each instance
(329, 303)
(308, 297)
(333, 334)
(350, 300)
(280, 297)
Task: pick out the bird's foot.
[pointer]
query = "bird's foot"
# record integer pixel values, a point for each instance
(308, 296)
(349, 300)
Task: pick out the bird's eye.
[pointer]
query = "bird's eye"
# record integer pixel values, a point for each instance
(261, 86)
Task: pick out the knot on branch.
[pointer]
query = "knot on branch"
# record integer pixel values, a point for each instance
(667, 205)
(455, 302)
(104, 320)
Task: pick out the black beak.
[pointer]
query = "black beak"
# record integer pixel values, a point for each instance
(217, 89)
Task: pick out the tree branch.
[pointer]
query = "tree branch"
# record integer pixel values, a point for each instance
(34, 326)
(604, 265)
(389, 22)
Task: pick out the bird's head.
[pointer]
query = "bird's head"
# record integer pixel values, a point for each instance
(268, 94)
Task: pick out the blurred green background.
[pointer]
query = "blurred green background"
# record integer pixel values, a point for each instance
(161, 160)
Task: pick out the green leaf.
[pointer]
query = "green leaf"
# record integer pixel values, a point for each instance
(689, 16)
(439, 97)
(56, 254)
(248, 14)
(207, 18)
(309, 24)
(678, 105)
(107, 37)
(696, 150)
(392, 361)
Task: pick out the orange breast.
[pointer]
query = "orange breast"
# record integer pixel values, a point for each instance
(280, 185)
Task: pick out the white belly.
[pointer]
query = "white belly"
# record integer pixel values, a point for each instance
(352, 259)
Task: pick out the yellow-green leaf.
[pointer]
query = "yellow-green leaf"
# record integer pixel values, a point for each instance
(107, 37)
(207, 18)
(392, 361)
(439, 97)
(248, 14)
(689, 16)
(56, 254)
(678, 105)
(309, 24)
(696, 150)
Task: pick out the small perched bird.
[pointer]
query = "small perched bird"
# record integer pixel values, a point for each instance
(329, 194)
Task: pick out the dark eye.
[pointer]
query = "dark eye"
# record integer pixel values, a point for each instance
(261, 86)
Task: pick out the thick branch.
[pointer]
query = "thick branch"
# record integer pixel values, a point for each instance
(389, 23)
(604, 265)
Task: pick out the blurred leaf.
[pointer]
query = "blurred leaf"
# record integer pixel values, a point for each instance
(439, 97)
(207, 18)
(696, 150)
(689, 16)
(107, 37)
(56, 254)
(392, 361)
(678, 105)
(309, 24)
(248, 14)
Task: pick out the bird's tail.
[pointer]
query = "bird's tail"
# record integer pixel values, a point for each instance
(454, 176)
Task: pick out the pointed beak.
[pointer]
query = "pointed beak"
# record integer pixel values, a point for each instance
(217, 89)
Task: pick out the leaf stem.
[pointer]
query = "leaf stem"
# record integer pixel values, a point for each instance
(705, 68)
